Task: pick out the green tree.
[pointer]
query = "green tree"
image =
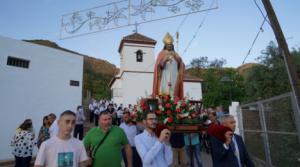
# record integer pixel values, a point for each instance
(96, 83)
(217, 92)
(201, 62)
(217, 63)
(269, 78)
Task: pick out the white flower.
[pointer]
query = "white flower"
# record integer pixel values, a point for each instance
(139, 109)
(184, 115)
(166, 120)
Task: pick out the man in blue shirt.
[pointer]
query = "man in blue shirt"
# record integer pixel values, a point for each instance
(154, 151)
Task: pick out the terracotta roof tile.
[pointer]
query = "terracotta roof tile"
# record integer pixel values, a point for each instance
(136, 38)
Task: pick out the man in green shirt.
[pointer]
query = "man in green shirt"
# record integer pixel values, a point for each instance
(109, 152)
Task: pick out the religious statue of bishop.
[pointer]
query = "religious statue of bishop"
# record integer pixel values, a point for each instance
(168, 71)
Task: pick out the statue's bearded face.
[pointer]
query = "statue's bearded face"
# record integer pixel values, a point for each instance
(169, 47)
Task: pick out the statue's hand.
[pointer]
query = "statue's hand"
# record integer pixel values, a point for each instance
(164, 62)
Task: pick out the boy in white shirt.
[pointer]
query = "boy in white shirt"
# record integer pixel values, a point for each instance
(62, 150)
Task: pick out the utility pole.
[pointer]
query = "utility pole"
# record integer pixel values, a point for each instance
(291, 69)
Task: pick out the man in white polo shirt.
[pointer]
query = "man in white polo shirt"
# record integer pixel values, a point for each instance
(130, 131)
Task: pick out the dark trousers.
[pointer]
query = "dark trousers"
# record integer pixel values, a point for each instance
(91, 116)
(78, 131)
(96, 119)
(136, 160)
(118, 121)
(22, 161)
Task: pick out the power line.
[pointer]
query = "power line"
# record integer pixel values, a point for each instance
(259, 31)
(176, 34)
(262, 13)
(181, 23)
(198, 28)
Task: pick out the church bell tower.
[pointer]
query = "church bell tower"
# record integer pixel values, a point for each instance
(137, 53)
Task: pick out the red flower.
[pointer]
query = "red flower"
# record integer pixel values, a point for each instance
(158, 112)
(169, 112)
(167, 97)
(170, 120)
(177, 110)
(168, 105)
(144, 107)
(133, 115)
(176, 100)
(183, 104)
(143, 101)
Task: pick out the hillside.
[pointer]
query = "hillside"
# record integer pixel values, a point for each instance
(245, 67)
(97, 73)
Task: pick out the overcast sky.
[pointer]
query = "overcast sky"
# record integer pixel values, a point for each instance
(227, 32)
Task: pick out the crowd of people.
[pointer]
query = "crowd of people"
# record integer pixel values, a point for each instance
(116, 136)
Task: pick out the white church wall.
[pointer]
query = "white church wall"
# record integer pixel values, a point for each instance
(41, 89)
(193, 90)
(117, 93)
(136, 85)
(128, 60)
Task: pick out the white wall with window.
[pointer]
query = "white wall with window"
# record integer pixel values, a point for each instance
(34, 81)
(129, 57)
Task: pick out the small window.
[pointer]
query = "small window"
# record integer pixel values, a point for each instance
(139, 56)
(74, 83)
(17, 62)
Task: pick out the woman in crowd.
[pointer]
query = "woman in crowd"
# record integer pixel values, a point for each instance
(23, 142)
(44, 132)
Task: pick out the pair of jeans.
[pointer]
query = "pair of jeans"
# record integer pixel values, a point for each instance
(22, 161)
(136, 160)
(78, 131)
(92, 116)
(179, 157)
(196, 154)
(96, 116)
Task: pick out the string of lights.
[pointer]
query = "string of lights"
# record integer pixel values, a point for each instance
(121, 14)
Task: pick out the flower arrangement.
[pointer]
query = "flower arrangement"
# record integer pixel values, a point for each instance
(169, 110)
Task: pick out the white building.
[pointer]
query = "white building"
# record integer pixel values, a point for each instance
(34, 81)
(135, 79)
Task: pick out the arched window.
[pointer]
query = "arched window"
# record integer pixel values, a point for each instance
(139, 55)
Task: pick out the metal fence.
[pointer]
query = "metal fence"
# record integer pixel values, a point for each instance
(271, 130)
